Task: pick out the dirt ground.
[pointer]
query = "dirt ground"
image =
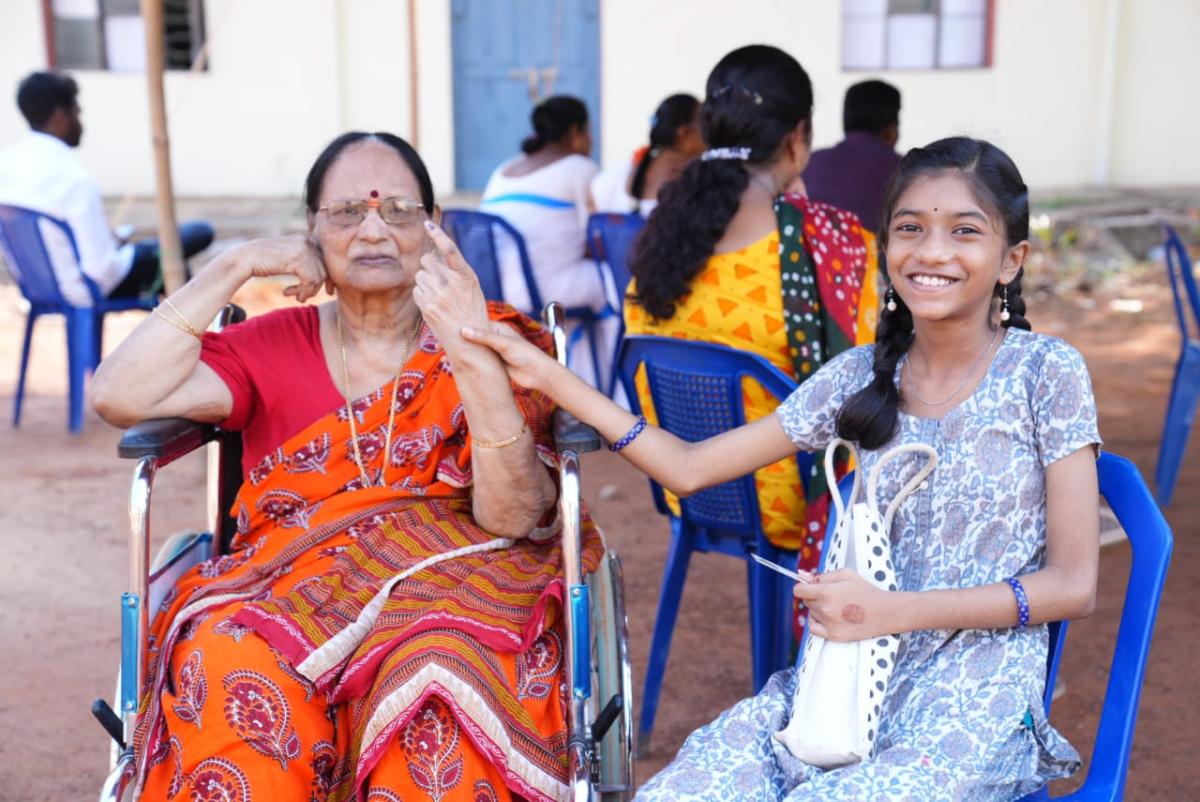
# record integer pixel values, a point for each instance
(64, 529)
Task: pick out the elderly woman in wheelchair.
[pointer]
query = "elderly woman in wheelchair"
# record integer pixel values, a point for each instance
(389, 620)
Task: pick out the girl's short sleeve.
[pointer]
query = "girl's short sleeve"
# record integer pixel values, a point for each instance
(1064, 408)
(809, 414)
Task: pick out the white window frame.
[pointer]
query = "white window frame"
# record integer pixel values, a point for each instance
(880, 19)
(127, 26)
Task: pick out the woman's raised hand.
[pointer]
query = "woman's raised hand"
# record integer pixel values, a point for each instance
(447, 290)
(293, 255)
(527, 364)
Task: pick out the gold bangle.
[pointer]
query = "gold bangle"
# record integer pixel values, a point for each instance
(502, 443)
(176, 324)
(187, 326)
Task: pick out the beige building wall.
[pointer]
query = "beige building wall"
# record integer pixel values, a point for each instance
(1039, 100)
(245, 127)
(1156, 120)
(1080, 91)
(284, 77)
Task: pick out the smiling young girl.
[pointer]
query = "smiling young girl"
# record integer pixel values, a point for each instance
(1002, 538)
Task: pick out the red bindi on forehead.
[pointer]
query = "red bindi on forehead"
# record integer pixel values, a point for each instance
(374, 193)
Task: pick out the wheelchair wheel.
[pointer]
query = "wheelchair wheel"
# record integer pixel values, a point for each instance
(177, 556)
(197, 545)
(612, 675)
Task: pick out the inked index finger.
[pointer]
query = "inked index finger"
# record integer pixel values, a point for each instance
(446, 248)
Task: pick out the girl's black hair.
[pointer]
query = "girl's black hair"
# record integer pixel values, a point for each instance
(553, 119)
(869, 416)
(673, 112)
(316, 173)
(754, 98)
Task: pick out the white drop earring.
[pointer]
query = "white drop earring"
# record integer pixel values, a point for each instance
(1004, 313)
(891, 299)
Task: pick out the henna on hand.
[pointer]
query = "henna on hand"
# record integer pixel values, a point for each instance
(854, 614)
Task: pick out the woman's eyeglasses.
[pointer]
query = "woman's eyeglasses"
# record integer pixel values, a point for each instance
(393, 211)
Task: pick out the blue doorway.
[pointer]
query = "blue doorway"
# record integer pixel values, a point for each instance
(508, 55)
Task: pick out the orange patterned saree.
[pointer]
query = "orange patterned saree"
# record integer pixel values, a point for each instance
(366, 642)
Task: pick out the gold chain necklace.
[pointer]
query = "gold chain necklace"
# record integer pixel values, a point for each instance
(387, 444)
(912, 384)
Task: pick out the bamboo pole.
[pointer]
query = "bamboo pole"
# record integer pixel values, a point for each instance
(169, 249)
(414, 98)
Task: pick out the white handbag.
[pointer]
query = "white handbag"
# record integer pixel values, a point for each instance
(840, 686)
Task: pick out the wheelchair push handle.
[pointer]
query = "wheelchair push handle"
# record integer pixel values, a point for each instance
(110, 721)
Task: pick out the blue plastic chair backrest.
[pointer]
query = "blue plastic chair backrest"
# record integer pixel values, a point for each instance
(696, 389)
(1179, 269)
(1122, 486)
(479, 236)
(612, 237)
(25, 251)
(1150, 540)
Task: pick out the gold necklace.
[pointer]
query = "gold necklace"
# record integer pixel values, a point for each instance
(349, 394)
(913, 384)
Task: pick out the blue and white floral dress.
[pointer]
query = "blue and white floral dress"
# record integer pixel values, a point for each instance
(963, 717)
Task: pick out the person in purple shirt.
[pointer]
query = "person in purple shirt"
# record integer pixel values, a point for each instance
(854, 173)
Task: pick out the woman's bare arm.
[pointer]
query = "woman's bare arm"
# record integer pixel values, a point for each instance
(156, 371)
(511, 488)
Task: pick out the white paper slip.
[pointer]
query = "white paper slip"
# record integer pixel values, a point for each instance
(779, 569)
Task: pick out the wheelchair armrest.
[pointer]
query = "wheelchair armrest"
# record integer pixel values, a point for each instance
(570, 433)
(168, 439)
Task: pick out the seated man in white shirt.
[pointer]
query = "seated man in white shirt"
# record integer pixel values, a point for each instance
(42, 172)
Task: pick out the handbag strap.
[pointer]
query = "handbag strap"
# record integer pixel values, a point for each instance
(831, 475)
(909, 487)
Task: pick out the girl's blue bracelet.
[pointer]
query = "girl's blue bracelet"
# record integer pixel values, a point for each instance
(630, 436)
(1022, 602)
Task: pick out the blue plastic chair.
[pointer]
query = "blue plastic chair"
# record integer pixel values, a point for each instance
(696, 389)
(1122, 486)
(28, 260)
(1185, 389)
(478, 236)
(612, 237)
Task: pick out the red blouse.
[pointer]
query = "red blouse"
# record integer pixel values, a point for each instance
(275, 368)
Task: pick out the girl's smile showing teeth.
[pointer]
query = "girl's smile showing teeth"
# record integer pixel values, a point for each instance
(929, 281)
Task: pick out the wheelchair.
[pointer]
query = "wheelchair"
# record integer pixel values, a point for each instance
(598, 673)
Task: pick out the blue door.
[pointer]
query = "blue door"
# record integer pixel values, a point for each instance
(508, 54)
